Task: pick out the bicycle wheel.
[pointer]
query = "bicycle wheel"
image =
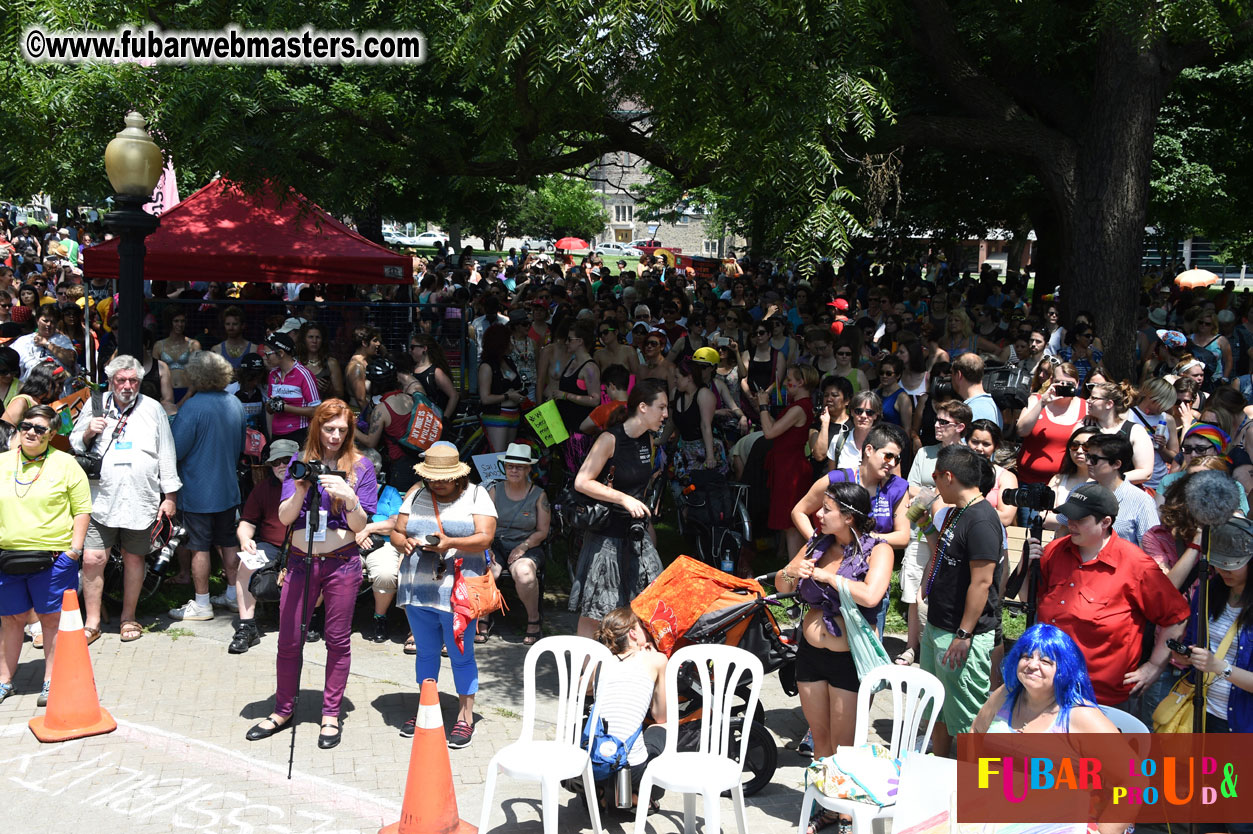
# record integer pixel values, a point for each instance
(113, 579)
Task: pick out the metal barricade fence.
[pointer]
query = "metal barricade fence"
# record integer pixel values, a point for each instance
(395, 321)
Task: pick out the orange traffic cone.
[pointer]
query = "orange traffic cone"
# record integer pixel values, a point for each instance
(74, 709)
(430, 805)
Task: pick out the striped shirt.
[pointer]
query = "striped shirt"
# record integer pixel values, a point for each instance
(296, 387)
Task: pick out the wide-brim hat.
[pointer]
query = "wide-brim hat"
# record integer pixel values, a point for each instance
(1157, 316)
(442, 462)
(520, 453)
(1231, 544)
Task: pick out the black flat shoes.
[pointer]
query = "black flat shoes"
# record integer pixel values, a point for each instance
(326, 742)
(261, 731)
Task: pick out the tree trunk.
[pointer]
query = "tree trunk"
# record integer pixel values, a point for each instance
(1103, 203)
(370, 223)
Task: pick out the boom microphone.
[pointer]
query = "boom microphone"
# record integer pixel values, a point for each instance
(1212, 497)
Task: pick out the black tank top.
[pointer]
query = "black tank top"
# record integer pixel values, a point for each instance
(760, 374)
(632, 468)
(687, 419)
(433, 392)
(151, 386)
(573, 414)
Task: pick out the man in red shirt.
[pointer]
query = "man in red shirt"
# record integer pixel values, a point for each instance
(1105, 593)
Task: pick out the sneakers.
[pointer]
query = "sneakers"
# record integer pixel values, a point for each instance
(223, 601)
(806, 747)
(245, 638)
(460, 735)
(379, 632)
(191, 611)
(43, 695)
(6, 689)
(406, 731)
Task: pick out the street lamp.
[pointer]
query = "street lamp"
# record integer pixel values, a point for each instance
(133, 162)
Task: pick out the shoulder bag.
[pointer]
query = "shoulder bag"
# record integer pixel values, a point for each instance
(482, 595)
(266, 584)
(581, 512)
(1174, 713)
(863, 642)
(88, 459)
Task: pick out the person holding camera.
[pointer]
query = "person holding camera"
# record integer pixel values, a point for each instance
(618, 561)
(1046, 423)
(291, 392)
(136, 486)
(44, 511)
(324, 560)
(443, 520)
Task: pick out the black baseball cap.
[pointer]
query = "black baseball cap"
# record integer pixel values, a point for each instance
(1231, 544)
(280, 341)
(1089, 499)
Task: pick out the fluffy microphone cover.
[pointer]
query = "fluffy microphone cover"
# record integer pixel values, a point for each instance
(1212, 497)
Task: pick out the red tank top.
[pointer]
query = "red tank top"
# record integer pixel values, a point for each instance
(1044, 448)
(394, 430)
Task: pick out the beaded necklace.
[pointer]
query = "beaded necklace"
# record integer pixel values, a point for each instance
(947, 534)
(23, 460)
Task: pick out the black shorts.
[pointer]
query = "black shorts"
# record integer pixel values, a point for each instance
(814, 664)
(207, 530)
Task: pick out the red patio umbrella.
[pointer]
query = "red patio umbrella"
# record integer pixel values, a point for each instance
(569, 243)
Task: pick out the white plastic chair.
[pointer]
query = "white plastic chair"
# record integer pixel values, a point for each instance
(915, 695)
(1124, 721)
(550, 761)
(711, 769)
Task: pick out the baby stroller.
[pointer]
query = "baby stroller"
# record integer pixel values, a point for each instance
(691, 602)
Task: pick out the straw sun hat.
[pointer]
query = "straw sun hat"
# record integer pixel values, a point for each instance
(442, 463)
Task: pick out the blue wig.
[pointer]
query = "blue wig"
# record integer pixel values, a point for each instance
(1071, 685)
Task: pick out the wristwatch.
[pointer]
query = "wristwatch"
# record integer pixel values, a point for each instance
(962, 634)
(1227, 671)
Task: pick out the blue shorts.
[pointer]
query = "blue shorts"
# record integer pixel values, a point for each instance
(42, 591)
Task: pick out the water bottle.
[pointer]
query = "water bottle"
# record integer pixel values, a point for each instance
(728, 564)
(622, 789)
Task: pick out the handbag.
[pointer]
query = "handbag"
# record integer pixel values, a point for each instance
(88, 459)
(863, 642)
(482, 597)
(580, 512)
(26, 562)
(1174, 713)
(266, 583)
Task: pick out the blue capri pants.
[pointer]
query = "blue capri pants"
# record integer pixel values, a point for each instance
(432, 628)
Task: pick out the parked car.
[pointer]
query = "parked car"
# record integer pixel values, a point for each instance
(538, 244)
(429, 239)
(620, 250)
(644, 244)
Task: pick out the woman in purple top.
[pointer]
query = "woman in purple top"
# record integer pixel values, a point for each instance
(841, 548)
(326, 549)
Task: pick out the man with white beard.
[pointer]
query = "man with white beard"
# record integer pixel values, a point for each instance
(138, 483)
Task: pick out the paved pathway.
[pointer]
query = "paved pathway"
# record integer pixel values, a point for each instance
(179, 761)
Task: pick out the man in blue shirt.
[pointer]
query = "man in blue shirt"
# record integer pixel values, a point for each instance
(968, 383)
(208, 440)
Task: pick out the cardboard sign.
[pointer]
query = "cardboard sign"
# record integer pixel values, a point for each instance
(489, 468)
(546, 420)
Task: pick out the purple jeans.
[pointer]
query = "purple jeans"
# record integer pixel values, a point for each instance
(338, 582)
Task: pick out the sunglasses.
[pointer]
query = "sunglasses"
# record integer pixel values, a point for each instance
(39, 431)
(1098, 458)
(607, 331)
(763, 332)
(652, 343)
(1205, 449)
(890, 457)
(1076, 447)
(843, 353)
(865, 412)
(940, 421)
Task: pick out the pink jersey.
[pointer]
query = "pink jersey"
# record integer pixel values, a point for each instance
(296, 387)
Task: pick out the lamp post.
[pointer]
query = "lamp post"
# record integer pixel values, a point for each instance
(133, 162)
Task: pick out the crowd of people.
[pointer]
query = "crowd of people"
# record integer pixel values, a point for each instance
(866, 407)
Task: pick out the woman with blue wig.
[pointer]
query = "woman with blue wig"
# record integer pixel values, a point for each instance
(1046, 690)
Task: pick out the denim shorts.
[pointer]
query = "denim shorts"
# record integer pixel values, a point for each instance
(42, 591)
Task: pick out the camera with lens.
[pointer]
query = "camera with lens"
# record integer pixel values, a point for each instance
(163, 559)
(943, 388)
(275, 405)
(1036, 497)
(637, 529)
(311, 470)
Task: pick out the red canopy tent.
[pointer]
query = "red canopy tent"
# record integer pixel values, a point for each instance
(223, 233)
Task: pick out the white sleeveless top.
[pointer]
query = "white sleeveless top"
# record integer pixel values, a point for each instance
(625, 694)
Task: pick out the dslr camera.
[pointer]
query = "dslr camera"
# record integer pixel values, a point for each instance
(311, 470)
(275, 405)
(637, 529)
(1036, 497)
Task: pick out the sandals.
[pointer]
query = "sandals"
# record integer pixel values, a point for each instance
(410, 646)
(92, 634)
(483, 631)
(534, 632)
(823, 821)
(906, 658)
(130, 631)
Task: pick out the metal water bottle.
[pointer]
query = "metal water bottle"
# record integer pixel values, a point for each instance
(622, 788)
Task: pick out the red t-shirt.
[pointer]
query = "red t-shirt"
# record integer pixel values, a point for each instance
(1107, 605)
(261, 510)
